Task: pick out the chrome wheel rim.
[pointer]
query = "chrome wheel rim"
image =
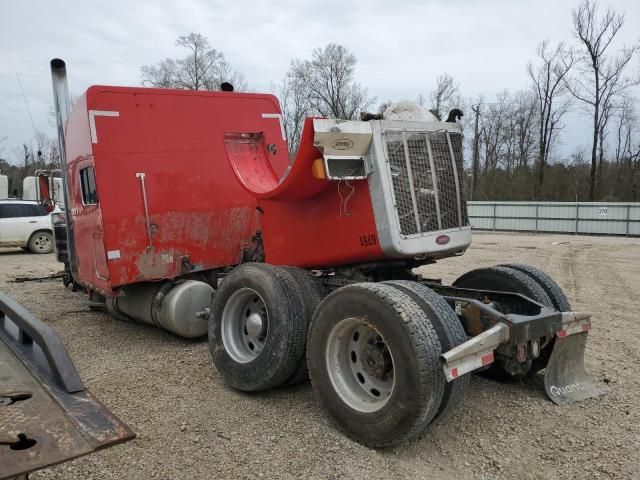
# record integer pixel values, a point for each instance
(42, 243)
(360, 365)
(245, 325)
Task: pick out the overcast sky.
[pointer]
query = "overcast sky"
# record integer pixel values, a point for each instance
(401, 45)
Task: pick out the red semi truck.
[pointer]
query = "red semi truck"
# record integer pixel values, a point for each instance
(185, 212)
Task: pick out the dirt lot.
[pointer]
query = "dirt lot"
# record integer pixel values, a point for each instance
(190, 425)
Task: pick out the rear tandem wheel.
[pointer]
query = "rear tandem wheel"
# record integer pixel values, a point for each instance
(373, 357)
(312, 292)
(258, 327)
(507, 279)
(558, 300)
(450, 333)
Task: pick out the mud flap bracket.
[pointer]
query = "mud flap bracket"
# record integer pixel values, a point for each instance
(474, 353)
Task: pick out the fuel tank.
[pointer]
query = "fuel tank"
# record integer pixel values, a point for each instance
(180, 307)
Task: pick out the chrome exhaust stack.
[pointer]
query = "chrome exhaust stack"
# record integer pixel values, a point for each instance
(61, 99)
(62, 104)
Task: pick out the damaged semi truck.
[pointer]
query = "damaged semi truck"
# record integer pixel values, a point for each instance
(184, 211)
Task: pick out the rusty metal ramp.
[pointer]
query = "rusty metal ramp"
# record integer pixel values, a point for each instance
(46, 414)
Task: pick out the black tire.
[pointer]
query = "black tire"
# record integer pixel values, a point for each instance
(504, 279)
(558, 299)
(413, 346)
(450, 333)
(41, 242)
(285, 338)
(313, 292)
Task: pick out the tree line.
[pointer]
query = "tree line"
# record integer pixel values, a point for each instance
(42, 153)
(513, 149)
(511, 140)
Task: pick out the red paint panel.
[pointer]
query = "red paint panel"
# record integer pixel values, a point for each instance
(197, 208)
(309, 222)
(202, 211)
(321, 231)
(262, 181)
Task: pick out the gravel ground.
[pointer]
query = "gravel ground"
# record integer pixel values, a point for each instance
(189, 425)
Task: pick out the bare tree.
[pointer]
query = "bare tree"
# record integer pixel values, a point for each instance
(441, 97)
(524, 129)
(295, 108)
(493, 131)
(25, 161)
(204, 68)
(601, 78)
(627, 151)
(507, 144)
(47, 154)
(627, 125)
(329, 84)
(549, 85)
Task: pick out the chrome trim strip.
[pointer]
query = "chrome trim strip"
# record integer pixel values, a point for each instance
(407, 160)
(455, 176)
(434, 179)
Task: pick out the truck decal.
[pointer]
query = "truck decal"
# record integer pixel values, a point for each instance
(279, 117)
(368, 240)
(92, 121)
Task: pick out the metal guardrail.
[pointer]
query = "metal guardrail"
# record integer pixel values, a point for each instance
(603, 218)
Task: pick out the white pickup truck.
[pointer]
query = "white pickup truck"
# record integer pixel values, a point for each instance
(26, 224)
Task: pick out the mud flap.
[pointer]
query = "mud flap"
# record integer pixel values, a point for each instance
(566, 380)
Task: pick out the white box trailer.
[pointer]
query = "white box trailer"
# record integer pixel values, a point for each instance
(4, 186)
(30, 190)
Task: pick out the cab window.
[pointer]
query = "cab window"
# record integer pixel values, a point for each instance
(88, 186)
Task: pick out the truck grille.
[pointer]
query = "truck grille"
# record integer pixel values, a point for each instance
(427, 182)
